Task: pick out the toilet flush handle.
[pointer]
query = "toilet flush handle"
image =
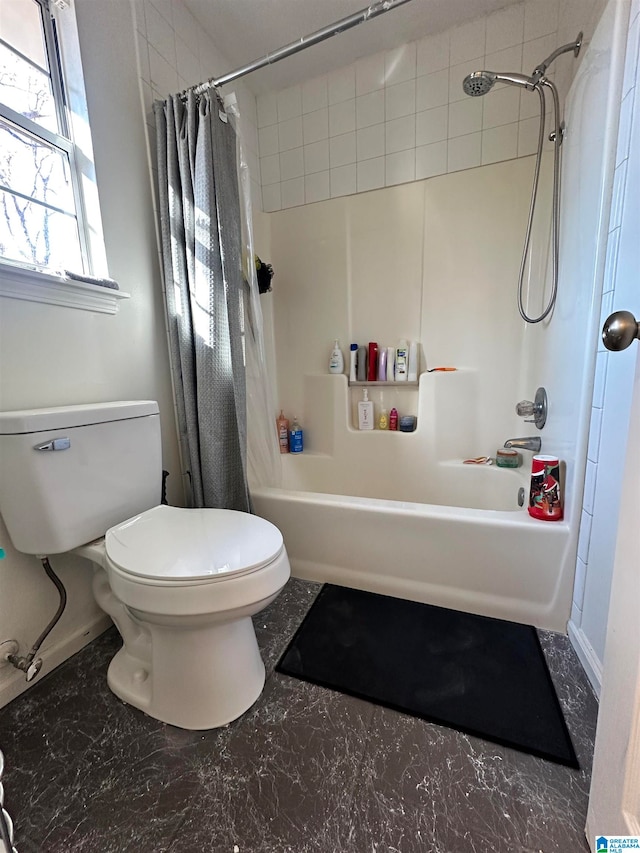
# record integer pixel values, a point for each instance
(55, 444)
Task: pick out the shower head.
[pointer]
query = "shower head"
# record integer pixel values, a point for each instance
(480, 82)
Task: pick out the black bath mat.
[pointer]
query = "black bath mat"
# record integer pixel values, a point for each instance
(486, 677)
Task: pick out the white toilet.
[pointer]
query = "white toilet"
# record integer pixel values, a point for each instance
(180, 584)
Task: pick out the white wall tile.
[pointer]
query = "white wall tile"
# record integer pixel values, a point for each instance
(315, 95)
(267, 105)
(465, 116)
(468, 41)
(589, 486)
(579, 584)
(400, 100)
(400, 168)
(271, 198)
(595, 429)
(290, 134)
(611, 262)
(624, 129)
(370, 174)
(499, 143)
(342, 117)
(316, 157)
(370, 73)
(185, 26)
(431, 160)
(602, 359)
(160, 35)
(584, 537)
(143, 60)
(289, 103)
(343, 181)
(400, 134)
(540, 19)
(432, 53)
(268, 140)
(400, 64)
(315, 126)
(501, 107)
(432, 125)
(464, 152)
(291, 164)
(270, 169)
(370, 109)
(342, 149)
(317, 187)
(370, 142)
(508, 59)
(505, 28)
(528, 136)
(164, 78)
(432, 90)
(617, 201)
(188, 64)
(292, 192)
(341, 85)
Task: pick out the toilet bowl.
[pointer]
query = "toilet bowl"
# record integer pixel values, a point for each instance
(182, 585)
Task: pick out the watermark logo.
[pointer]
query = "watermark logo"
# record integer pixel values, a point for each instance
(617, 843)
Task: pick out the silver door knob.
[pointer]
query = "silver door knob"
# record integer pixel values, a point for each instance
(620, 330)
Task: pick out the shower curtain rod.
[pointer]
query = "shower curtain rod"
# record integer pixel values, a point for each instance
(371, 11)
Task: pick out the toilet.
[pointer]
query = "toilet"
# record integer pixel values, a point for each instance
(180, 584)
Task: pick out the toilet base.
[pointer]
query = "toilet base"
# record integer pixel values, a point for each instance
(198, 678)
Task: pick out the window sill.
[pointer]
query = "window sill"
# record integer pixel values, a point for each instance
(35, 286)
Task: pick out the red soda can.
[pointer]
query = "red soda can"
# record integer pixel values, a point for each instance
(544, 494)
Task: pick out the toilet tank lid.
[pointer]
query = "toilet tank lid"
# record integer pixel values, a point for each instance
(65, 417)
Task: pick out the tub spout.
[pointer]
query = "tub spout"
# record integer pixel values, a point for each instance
(533, 442)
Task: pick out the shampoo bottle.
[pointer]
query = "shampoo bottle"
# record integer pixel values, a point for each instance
(393, 419)
(401, 362)
(353, 362)
(391, 360)
(383, 420)
(365, 412)
(372, 371)
(295, 437)
(336, 361)
(382, 365)
(362, 364)
(283, 433)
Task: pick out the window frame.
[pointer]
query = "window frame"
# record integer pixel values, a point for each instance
(29, 281)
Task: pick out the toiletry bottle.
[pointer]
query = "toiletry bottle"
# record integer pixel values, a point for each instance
(362, 364)
(295, 437)
(391, 361)
(336, 361)
(383, 420)
(412, 371)
(393, 419)
(365, 412)
(283, 433)
(353, 362)
(382, 365)
(372, 370)
(401, 362)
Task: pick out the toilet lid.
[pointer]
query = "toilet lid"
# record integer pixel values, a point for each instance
(171, 543)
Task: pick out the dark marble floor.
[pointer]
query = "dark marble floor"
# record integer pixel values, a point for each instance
(305, 769)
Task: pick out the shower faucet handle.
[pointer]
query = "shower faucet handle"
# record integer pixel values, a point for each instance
(537, 409)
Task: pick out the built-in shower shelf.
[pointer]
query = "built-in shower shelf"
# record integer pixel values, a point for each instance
(406, 384)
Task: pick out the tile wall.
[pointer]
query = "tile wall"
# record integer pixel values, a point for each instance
(401, 115)
(174, 52)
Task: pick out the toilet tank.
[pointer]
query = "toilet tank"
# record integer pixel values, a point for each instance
(67, 474)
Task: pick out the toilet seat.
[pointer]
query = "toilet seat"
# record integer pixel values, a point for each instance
(171, 545)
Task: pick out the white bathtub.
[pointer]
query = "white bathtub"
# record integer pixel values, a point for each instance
(467, 544)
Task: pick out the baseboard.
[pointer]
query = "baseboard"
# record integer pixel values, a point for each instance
(586, 655)
(13, 682)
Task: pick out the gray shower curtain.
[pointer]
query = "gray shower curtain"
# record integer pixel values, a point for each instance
(201, 245)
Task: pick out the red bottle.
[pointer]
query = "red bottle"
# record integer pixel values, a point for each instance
(372, 371)
(393, 419)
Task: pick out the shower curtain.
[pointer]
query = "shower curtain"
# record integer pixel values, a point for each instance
(214, 319)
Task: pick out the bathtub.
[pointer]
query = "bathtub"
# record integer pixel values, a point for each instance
(461, 541)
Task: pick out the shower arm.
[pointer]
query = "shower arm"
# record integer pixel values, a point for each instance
(539, 70)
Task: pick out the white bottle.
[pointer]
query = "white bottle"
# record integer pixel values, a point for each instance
(353, 362)
(391, 360)
(412, 372)
(401, 362)
(336, 361)
(365, 412)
